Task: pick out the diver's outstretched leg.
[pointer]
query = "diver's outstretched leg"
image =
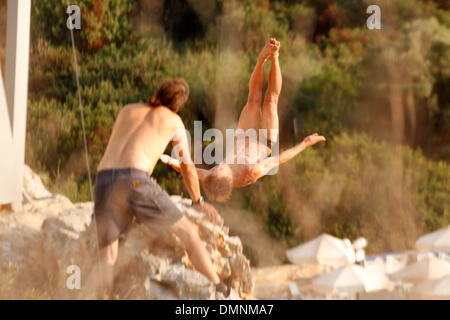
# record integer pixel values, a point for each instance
(269, 119)
(250, 117)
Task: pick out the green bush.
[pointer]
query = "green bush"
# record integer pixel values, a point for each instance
(277, 218)
(359, 187)
(104, 22)
(331, 66)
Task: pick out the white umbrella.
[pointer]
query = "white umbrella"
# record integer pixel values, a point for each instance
(435, 241)
(376, 279)
(395, 262)
(325, 249)
(434, 289)
(426, 269)
(388, 263)
(351, 279)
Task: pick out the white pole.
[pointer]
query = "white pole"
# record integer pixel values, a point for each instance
(8, 191)
(16, 83)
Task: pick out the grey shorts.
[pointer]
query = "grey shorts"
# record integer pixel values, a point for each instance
(122, 195)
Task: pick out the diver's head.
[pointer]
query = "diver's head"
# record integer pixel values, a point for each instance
(218, 185)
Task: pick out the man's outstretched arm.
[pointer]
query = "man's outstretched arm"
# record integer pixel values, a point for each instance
(189, 173)
(263, 167)
(175, 164)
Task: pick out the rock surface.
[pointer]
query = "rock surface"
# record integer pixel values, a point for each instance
(285, 281)
(33, 184)
(52, 234)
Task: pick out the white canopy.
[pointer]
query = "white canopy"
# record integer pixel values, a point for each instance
(435, 241)
(395, 262)
(351, 279)
(389, 263)
(376, 279)
(426, 269)
(325, 249)
(434, 289)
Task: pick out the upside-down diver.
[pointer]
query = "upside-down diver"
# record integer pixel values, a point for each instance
(247, 167)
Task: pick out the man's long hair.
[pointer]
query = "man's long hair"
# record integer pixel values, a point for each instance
(172, 93)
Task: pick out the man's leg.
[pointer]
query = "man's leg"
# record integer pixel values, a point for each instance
(269, 119)
(250, 117)
(188, 233)
(101, 278)
(108, 258)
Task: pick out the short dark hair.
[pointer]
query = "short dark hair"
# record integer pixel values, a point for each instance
(172, 93)
(217, 188)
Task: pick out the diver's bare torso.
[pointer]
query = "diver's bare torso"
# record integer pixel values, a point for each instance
(140, 135)
(245, 159)
(243, 174)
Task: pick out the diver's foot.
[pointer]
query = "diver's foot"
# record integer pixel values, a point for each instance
(269, 49)
(277, 44)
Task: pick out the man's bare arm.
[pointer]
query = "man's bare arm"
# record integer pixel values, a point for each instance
(175, 164)
(268, 164)
(189, 173)
(183, 162)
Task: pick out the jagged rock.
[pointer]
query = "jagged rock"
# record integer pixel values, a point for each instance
(43, 208)
(281, 282)
(16, 246)
(156, 291)
(188, 283)
(148, 267)
(33, 185)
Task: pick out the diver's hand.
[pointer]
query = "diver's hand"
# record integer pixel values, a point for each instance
(209, 210)
(313, 139)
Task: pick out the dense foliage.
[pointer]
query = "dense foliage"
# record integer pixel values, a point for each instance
(380, 96)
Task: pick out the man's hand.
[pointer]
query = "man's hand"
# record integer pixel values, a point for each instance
(313, 139)
(209, 210)
(174, 163)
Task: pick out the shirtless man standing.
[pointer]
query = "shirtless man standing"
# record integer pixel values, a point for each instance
(124, 188)
(248, 167)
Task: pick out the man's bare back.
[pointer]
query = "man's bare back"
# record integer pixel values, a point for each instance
(124, 190)
(140, 135)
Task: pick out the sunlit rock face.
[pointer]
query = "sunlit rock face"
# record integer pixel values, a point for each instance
(52, 234)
